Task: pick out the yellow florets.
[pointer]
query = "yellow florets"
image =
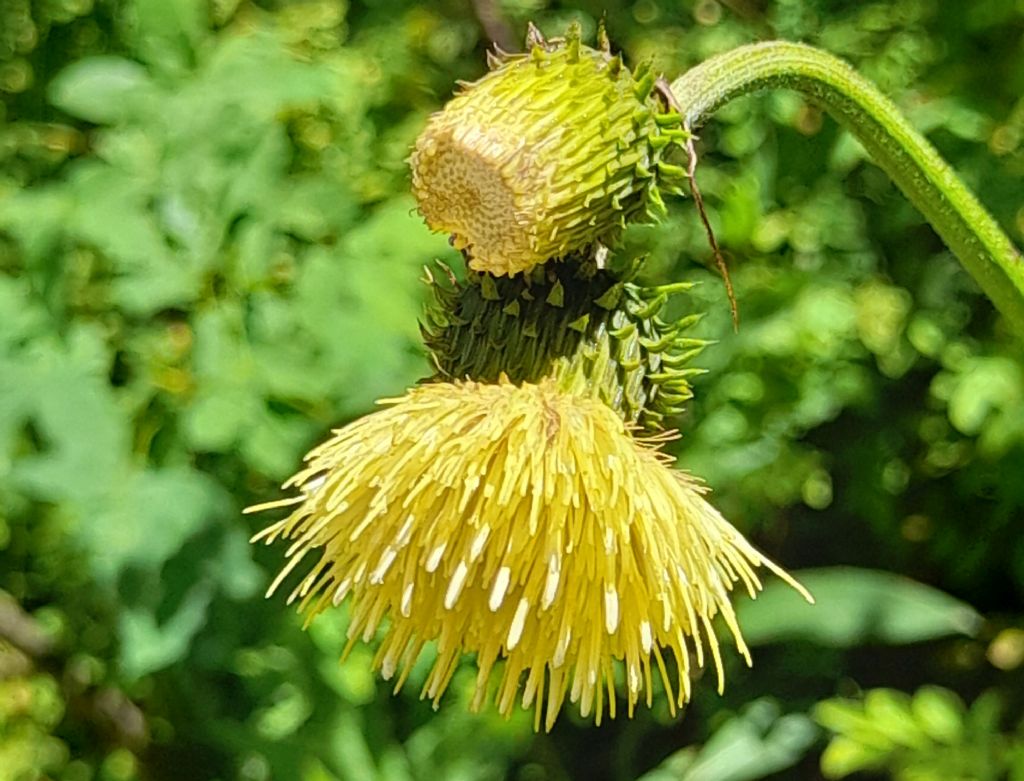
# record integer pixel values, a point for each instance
(525, 526)
(550, 153)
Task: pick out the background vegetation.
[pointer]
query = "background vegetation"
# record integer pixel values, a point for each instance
(208, 257)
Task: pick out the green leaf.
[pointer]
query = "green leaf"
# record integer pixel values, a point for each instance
(166, 32)
(228, 401)
(102, 89)
(889, 728)
(847, 717)
(356, 303)
(757, 743)
(84, 434)
(855, 606)
(147, 646)
(889, 712)
(287, 714)
(259, 73)
(36, 218)
(143, 520)
(113, 214)
(120, 513)
(1015, 761)
(844, 756)
(940, 713)
(986, 397)
(216, 418)
(273, 445)
(233, 567)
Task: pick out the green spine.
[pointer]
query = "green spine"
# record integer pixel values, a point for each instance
(593, 333)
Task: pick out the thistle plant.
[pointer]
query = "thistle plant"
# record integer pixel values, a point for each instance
(518, 505)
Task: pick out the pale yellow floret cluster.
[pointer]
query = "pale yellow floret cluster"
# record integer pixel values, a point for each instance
(463, 188)
(523, 525)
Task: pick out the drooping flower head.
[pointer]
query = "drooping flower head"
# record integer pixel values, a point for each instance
(524, 517)
(550, 153)
(525, 525)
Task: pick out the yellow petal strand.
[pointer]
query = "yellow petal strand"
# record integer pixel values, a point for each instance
(523, 525)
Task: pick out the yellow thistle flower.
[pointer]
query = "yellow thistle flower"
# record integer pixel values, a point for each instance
(527, 526)
(550, 153)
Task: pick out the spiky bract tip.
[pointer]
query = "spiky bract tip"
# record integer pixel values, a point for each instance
(592, 332)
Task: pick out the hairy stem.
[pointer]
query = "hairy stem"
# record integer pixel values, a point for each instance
(914, 165)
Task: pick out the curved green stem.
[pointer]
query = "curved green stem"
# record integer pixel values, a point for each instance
(926, 179)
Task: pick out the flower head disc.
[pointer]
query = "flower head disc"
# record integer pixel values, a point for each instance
(525, 526)
(549, 153)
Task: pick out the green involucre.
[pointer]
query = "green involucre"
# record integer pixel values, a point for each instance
(595, 334)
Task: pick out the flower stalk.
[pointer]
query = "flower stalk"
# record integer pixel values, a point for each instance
(905, 155)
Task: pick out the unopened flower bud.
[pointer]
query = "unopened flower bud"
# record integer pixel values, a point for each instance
(550, 153)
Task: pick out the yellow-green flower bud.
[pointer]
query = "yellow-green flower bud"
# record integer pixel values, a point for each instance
(550, 153)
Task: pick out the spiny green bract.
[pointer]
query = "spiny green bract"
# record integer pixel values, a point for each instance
(550, 153)
(595, 334)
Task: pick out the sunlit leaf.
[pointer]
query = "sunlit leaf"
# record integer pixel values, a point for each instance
(101, 89)
(855, 606)
(757, 743)
(148, 645)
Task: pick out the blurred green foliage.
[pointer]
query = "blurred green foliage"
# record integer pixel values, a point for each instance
(928, 736)
(208, 257)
